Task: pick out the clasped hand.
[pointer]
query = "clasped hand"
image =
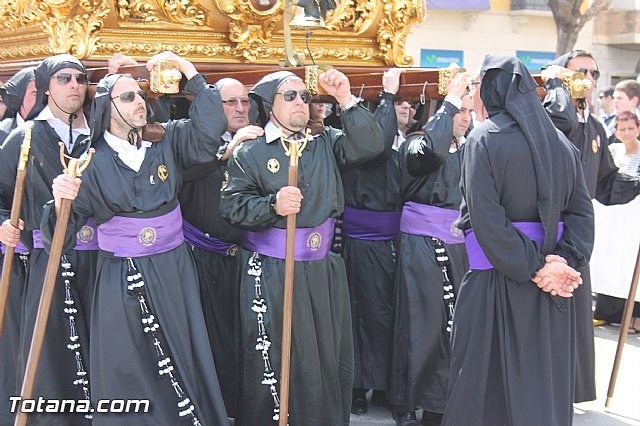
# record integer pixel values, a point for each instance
(557, 278)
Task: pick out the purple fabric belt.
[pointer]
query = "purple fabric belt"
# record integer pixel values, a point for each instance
(138, 237)
(430, 221)
(197, 238)
(20, 248)
(478, 260)
(86, 238)
(370, 225)
(311, 243)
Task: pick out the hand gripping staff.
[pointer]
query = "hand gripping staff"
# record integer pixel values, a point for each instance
(294, 151)
(16, 207)
(74, 168)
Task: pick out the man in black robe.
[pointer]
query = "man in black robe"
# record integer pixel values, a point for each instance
(431, 260)
(258, 199)
(19, 96)
(604, 183)
(370, 227)
(56, 117)
(528, 223)
(149, 339)
(214, 241)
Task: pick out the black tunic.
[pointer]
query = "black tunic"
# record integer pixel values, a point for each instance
(123, 357)
(57, 368)
(606, 185)
(322, 347)
(371, 264)
(218, 275)
(513, 350)
(420, 360)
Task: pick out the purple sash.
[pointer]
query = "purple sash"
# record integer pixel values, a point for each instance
(478, 260)
(370, 225)
(19, 249)
(311, 243)
(138, 237)
(197, 238)
(430, 221)
(86, 238)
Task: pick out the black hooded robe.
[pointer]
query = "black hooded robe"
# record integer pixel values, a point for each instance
(219, 275)
(58, 367)
(420, 360)
(606, 185)
(322, 346)
(513, 345)
(371, 264)
(123, 357)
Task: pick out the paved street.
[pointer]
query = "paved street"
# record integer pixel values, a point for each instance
(625, 407)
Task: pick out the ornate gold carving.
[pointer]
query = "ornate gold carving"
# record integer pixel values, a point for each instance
(183, 12)
(71, 24)
(360, 32)
(394, 28)
(15, 14)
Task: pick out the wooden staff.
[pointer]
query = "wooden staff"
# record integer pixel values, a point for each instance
(14, 220)
(73, 169)
(624, 328)
(294, 151)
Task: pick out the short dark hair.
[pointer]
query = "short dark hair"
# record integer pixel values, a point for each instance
(627, 116)
(608, 92)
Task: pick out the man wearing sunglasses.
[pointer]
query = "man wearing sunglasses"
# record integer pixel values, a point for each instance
(56, 117)
(574, 118)
(258, 199)
(214, 241)
(149, 338)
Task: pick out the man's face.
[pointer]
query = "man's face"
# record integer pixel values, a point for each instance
(293, 114)
(66, 94)
(403, 111)
(462, 120)
(29, 99)
(605, 102)
(622, 102)
(126, 96)
(235, 104)
(3, 108)
(588, 66)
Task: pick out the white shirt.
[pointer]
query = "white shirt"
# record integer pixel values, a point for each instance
(273, 132)
(62, 128)
(129, 154)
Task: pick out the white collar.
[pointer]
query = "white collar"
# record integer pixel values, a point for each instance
(121, 145)
(272, 132)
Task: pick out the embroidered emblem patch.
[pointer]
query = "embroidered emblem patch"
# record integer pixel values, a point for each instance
(595, 145)
(314, 240)
(273, 165)
(225, 180)
(147, 236)
(163, 173)
(86, 234)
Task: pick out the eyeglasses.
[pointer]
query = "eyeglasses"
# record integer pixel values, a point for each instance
(127, 97)
(64, 78)
(290, 95)
(237, 101)
(594, 73)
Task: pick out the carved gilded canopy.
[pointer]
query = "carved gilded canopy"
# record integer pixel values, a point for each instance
(360, 32)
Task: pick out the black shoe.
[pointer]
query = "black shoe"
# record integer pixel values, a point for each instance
(407, 419)
(358, 401)
(379, 399)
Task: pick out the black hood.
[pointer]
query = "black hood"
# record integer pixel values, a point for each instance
(15, 89)
(101, 106)
(509, 95)
(262, 94)
(43, 74)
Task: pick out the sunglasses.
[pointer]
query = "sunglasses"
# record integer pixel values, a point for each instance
(290, 95)
(127, 97)
(237, 101)
(594, 73)
(64, 78)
